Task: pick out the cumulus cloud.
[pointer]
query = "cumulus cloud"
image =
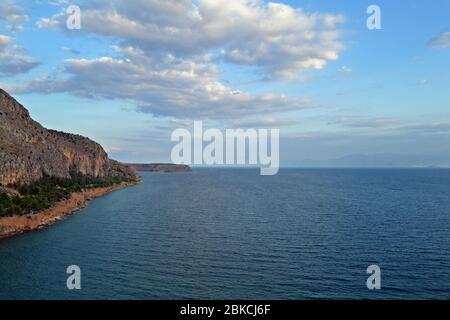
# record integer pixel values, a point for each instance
(59, 3)
(168, 54)
(56, 21)
(16, 28)
(70, 50)
(277, 38)
(12, 15)
(7, 9)
(441, 40)
(346, 69)
(163, 87)
(15, 18)
(12, 60)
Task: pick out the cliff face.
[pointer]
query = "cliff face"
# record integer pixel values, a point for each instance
(28, 151)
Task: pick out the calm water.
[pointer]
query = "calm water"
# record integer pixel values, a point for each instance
(232, 234)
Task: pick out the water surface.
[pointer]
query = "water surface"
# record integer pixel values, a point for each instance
(233, 234)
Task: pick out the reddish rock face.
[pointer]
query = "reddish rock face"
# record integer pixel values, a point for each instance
(28, 151)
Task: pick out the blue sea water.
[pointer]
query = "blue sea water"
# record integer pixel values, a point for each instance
(233, 234)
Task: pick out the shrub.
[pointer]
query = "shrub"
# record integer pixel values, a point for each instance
(44, 193)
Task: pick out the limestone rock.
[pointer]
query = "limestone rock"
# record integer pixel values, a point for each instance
(28, 151)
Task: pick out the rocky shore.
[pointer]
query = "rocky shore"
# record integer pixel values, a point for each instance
(11, 226)
(30, 153)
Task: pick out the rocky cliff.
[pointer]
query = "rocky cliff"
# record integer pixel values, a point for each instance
(29, 152)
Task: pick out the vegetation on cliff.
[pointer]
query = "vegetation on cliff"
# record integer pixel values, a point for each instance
(39, 167)
(47, 191)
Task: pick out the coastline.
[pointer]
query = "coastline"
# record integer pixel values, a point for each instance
(16, 225)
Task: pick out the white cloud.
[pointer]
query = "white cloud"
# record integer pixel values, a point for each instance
(7, 8)
(181, 122)
(281, 40)
(113, 149)
(14, 18)
(163, 87)
(59, 3)
(13, 15)
(4, 41)
(168, 54)
(346, 69)
(16, 28)
(12, 60)
(441, 40)
(53, 22)
(70, 50)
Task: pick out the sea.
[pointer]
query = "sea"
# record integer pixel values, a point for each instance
(233, 234)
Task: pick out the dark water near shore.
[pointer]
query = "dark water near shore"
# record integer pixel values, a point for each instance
(232, 234)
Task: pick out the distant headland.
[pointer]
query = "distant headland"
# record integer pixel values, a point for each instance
(160, 167)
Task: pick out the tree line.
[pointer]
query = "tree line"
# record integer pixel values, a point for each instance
(42, 194)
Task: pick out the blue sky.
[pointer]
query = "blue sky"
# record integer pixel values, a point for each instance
(346, 90)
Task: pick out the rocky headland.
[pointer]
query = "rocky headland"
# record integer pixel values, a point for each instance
(30, 154)
(160, 167)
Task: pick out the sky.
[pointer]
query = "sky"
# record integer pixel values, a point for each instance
(137, 70)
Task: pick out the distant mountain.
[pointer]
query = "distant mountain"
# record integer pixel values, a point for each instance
(28, 151)
(160, 167)
(382, 160)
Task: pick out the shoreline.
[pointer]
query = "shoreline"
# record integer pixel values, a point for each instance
(16, 225)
